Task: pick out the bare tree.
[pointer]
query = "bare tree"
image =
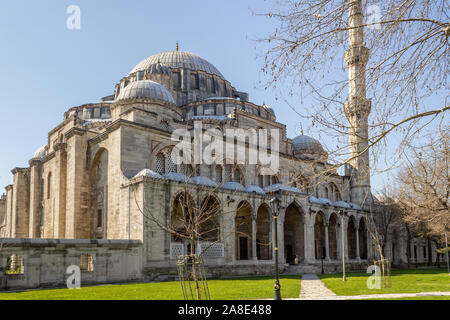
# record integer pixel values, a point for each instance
(406, 76)
(195, 220)
(424, 187)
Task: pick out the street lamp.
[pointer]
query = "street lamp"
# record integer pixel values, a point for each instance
(342, 214)
(276, 200)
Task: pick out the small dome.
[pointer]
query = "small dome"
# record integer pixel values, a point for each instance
(146, 89)
(176, 60)
(268, 109)
(40, 153)
(304, 144)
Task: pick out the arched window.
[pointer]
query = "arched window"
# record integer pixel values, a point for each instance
(237, 175)
(261, 181)
(219, 178)
(171, 166)
(49, 185)
(165, 125)
(274, 180)
(227, 172)
(266, 180)
(160, 166)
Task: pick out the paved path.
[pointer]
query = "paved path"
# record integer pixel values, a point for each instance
(312, 288)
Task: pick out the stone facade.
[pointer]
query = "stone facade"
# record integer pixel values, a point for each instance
(110, 163)
(44, 262)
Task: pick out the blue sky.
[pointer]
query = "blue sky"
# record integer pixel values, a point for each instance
(47, 68)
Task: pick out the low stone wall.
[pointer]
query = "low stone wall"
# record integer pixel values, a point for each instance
(45, 261)
(151, 273)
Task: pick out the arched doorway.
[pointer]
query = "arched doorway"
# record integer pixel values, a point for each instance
(243, 228)
(332, 236)
(362, 233)
(319, 237)
(263, 233)
(293, 228)
(351, 238)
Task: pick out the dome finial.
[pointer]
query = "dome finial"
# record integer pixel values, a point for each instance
(301, 131)
(177, 46)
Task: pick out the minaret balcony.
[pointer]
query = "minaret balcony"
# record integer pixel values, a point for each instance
(357, 55)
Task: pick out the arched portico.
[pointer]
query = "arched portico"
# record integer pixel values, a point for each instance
(294, 242)
(209, 217)
(362, 238)
(351, 238)
(244, 231)
(263, 233)
(319, 236)
(333, 236)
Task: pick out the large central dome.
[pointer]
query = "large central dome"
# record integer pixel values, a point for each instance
(178, 59)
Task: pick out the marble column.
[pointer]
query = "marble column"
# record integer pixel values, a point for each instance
(254, 256)
(357, 244)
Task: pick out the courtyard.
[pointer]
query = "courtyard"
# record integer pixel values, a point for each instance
(412, 284)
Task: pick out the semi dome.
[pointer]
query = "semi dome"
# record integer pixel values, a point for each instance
(40, 153)
(145, 89)
(268, 109)
(175, 60)
(306, 144)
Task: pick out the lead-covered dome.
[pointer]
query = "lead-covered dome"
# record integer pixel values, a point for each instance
(175, 60)
(305, 145)
(40, 153)
(146, 89)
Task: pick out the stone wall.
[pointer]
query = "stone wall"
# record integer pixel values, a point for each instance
(45, 261)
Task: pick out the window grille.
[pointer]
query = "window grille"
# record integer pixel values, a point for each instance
(160, 163)
(171, 166)
(86, 262)
(227, 173)
(15, 264)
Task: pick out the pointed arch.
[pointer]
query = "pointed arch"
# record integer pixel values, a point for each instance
(293, 228)
(319, 236)
(351, 237)
(332, 236)
(362, 234)
(263, 233)
(243, 231)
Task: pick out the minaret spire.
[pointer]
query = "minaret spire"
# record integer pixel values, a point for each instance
(357, 108)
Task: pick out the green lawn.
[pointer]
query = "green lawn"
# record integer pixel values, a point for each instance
(226, 289)
(418, 298)
(403, 281)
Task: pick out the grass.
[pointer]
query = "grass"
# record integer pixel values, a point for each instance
(417, 298)
(225, 289)
(402, 281)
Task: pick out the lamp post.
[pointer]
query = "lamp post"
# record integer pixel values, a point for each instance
(276, 200)
(342, 213)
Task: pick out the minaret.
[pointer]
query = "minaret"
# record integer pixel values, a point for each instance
(357, 108)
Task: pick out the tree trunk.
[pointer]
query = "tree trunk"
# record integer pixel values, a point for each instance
(430, 255)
